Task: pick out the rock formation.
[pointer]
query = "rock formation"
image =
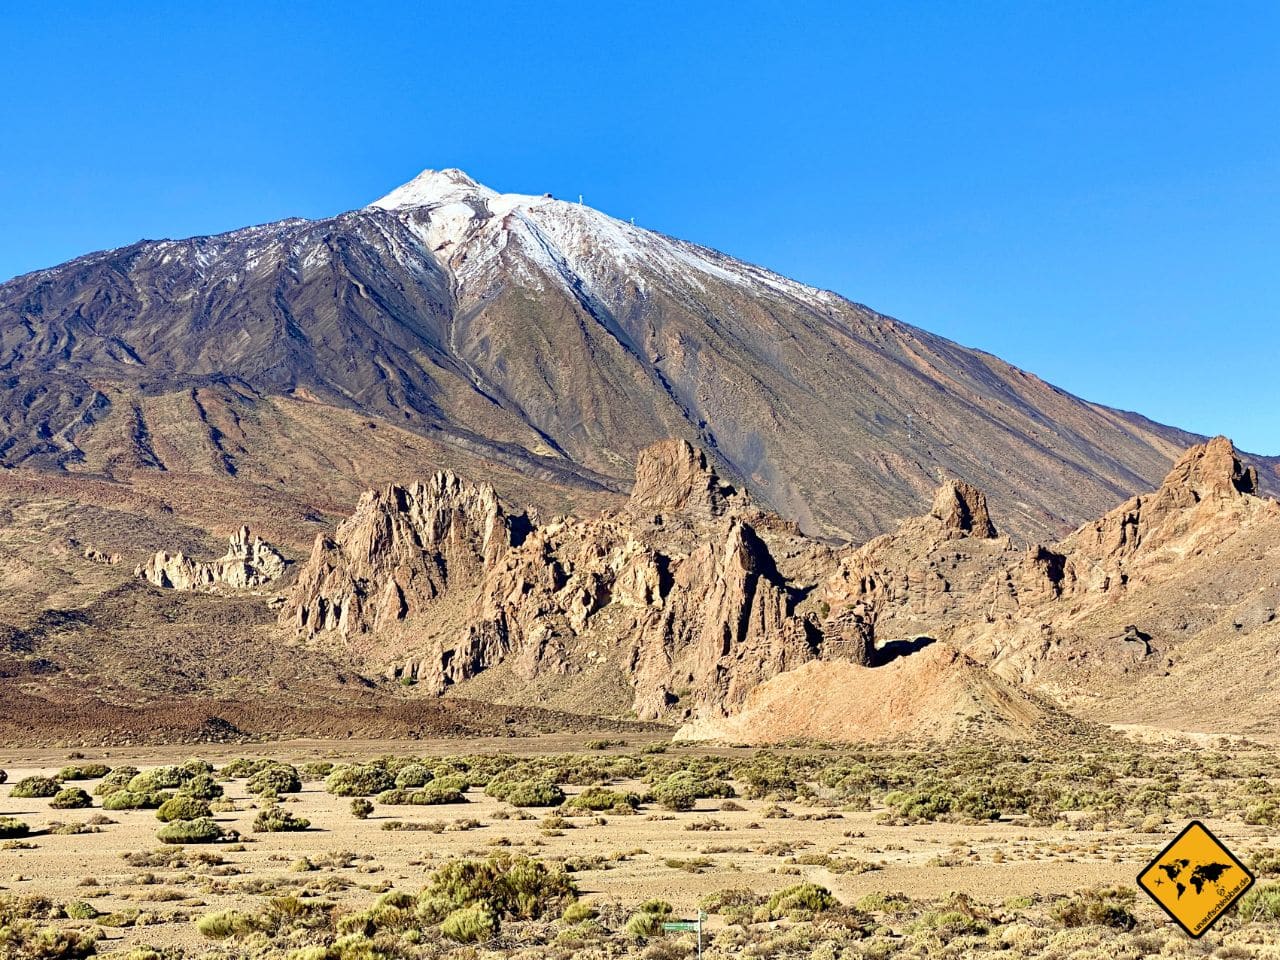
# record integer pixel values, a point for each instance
(677, 592)
(673, 477)
(962, 508)
(687, 599)
(402, 548)
(249, 562)
(919, 577)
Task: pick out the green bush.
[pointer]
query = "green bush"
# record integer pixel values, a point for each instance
(766, 776)
(128, 800)
(161, 778)
(202, 830)
(365, 780)
(12, 827)
(226, 923)
(1261, 904)
(22, 938)
(275, 819)
(414, 775)
(442, 790)
(117, 779)
(80, 910)
(87, 771)
(182, 808)
(736, 905)
(1101, 906)
(32, 787)
(202, 786)
(978, 805)
(648, 919)
(526, 793)
(579, 910)
(513, 888)
(242, 768)
(278, 920)
(598, 798)
(361, 808)
(921, 806)
(1266, 813)
(316, 770)
(675, 794)
(71, 798)
(471, 924)
(800, 902)
(275, 779)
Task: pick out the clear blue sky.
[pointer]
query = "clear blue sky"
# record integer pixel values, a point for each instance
(1089, 190)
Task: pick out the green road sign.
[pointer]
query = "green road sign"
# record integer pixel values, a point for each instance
(681, 925)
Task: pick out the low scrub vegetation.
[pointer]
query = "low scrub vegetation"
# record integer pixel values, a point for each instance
(71, 798)
(84, 771)
(526, 793)
(182, 807)
(275, 819)
(360, 780)
(26, 931)
(794, 820)
(29, 788)
(202, 830)
(274, 780)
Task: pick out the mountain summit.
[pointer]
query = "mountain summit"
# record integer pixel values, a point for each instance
(535, 342)
(434, 187)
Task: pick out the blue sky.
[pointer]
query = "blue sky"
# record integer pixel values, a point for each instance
(1089, 190)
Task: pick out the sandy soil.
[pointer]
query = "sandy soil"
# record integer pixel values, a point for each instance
(991, 861)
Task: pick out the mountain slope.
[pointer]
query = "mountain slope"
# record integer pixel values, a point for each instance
(549, 340)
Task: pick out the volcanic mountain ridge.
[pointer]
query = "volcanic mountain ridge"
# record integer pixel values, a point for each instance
(535, 344)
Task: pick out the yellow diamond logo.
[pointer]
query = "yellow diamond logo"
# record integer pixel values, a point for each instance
(1195, 879)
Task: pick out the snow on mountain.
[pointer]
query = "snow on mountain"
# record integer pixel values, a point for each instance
(572, 242)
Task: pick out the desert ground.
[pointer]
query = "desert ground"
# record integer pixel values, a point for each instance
(960, 850)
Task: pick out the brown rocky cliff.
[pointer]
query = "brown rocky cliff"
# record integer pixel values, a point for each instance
(917, 579)
(1202, 500)
(1174, 567)
(401, 549)
(678, 594)
(962, 508)
(672, 476)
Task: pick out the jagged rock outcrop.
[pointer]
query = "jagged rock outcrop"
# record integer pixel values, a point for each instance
(94, 555)
(674, 477)
(917, 578)
(727, 625)
(1132, 594)
(677, 594)
(1204, 499)
(402, 548)
(962, 508)
(686, 600)
(250, 561)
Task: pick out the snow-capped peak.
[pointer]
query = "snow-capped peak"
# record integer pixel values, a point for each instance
(434, 187)
(466, 225)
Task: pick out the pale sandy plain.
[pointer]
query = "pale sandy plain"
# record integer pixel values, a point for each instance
(992, 862)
